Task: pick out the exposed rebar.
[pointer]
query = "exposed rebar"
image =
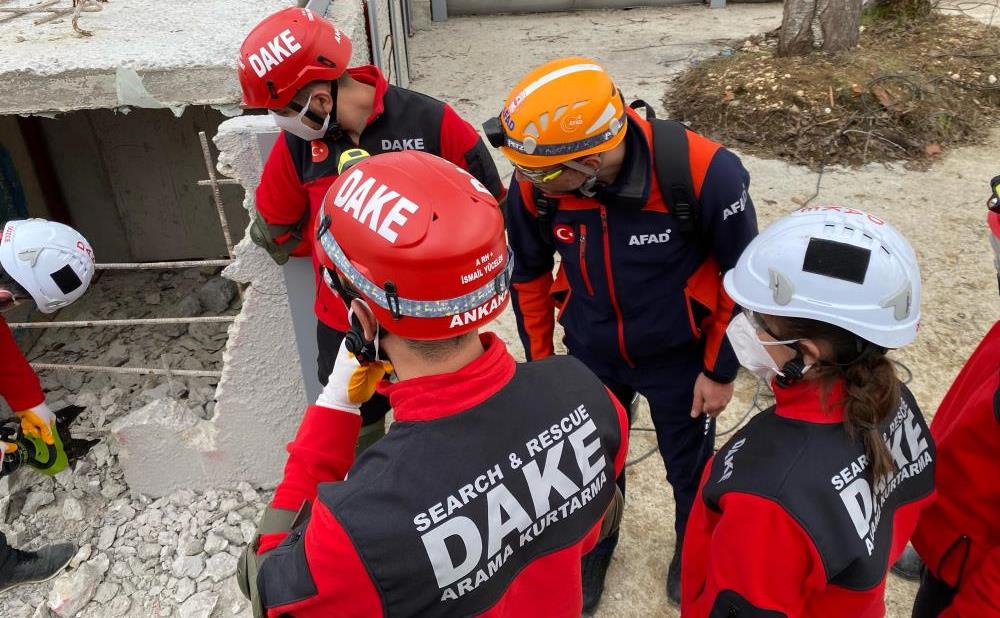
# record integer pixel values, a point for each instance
(129, 322)
(189, 373)
(213, 182)
(162, 265)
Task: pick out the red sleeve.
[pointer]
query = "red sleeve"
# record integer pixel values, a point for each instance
(460, 144)
(18, 383)
(534, 310)
(776, 571)
(280, 198)
(343, 586)
(979, 592)
(322, 451)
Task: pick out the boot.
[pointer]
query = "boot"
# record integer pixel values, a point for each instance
(909, 565)
(593, 567)
(32, 567)
(674, 574)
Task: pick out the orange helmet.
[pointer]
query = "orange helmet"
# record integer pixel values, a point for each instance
(563, 110)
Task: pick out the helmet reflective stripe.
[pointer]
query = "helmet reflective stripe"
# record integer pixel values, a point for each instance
(416, 308)
(532, 147)
(547, 78)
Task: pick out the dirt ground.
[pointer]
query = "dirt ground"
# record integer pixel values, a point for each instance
(473, 62)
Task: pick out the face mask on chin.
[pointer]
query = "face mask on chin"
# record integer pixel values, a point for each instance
(751, 351)
(297, 126)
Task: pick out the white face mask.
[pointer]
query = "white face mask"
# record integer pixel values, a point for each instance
(298, 128)
(751, 351)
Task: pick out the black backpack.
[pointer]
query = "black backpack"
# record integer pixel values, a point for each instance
(673, 171)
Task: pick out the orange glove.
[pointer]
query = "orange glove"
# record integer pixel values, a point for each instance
(37, 422)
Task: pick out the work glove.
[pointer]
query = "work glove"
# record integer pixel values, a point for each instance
(37, 422)
(351, 383)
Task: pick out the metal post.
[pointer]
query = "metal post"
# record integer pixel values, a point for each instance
(375, 41)
(396, 47)
(217, 196)
(439, 10)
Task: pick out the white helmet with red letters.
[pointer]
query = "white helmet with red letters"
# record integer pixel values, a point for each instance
(836, 265)
(52, 262)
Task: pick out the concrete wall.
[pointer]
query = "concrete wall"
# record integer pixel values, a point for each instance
(130, 183)
(261, 395)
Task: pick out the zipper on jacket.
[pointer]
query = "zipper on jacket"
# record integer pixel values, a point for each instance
(611, 287)
(583, 259)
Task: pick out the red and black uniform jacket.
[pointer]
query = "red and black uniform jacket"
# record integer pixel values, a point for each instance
(18, 383)
(480, 500)
(298, 172)
(958, 537)
(637, 286)
(787, 521)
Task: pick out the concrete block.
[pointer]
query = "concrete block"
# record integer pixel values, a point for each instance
(163, 447)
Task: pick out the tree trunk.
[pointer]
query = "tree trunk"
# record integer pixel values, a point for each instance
(796, 35)
(840, 21)
(835, 21)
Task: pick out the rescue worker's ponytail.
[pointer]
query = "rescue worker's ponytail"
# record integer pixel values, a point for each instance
(871, 390)
(871, 386)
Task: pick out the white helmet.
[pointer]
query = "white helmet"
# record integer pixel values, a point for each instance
(51, 261)
(836, 265)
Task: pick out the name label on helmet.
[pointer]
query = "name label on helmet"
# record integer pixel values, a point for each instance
(274, 53)
(477, 314)
(384, 211)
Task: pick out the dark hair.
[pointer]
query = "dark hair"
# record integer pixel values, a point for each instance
(871, 387)
(437, 349)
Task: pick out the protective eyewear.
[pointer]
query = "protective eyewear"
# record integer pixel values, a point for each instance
(542, 176)
(757, 322)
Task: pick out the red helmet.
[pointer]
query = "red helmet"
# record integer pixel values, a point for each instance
(285, 52)
(421, 239)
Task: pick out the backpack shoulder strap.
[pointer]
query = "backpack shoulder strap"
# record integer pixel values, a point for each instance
(672, 161)
(546, 208)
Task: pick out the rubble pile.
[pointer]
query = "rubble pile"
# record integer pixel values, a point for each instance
(172, 556)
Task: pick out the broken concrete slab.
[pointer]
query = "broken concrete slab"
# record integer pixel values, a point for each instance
(163, 447)
(175, 54)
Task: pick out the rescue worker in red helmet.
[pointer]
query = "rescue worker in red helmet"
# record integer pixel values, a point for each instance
(50, 264)
(494, 479)
(958, 537)
(295, 65)
(804, 509)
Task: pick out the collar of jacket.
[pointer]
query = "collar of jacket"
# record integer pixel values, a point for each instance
(430, 397)
(371, 75)
(813, 401)
(632, 186)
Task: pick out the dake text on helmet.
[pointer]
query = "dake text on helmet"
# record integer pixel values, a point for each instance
(420, 241)
(284, 54)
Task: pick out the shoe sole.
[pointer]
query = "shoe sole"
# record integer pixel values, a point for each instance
(39, 581)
